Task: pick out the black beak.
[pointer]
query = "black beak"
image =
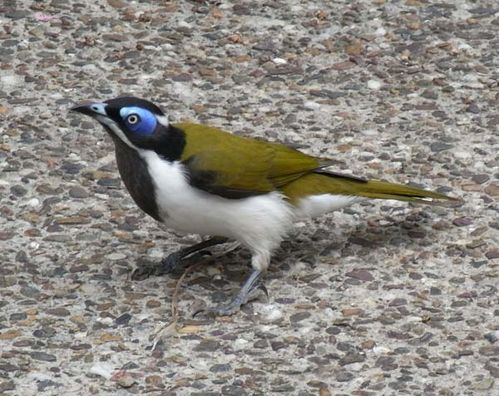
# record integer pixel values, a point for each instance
(83, 108)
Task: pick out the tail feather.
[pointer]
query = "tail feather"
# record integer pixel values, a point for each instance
(327, 183)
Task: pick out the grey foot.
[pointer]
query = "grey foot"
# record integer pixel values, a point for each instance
(248, 292)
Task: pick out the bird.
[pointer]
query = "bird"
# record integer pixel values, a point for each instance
(201, 179)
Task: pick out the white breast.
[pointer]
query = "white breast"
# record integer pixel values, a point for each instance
(259, 222)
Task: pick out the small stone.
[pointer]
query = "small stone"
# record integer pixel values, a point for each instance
(344, 376)
(154, 380)
(490, 350)
(484, 385)
(276, 345)
(220, 368)
(18, 190)
(360, 274)
(78, 192)
(492, 254)
(323, 391)
(462, 221)
(116, 256)
(43, 356)
(375, 85)
(47, 383)
(123, 319)
(232, 390)
(207, 346)
(481, 178)
(123, 379)
(350, 358)
(298, 317)
(7, 385)
(60, 311)
(352, 311)
(440, 146)
(73, 220)
(10, 334)
(492, 189)
(6, 235)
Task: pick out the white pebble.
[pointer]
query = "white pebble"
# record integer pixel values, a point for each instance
(116, 256)
(34, 245)
(106, 321)
(374, 85)
(9, 81)
(311, 105)
(380, 32)
(34, 202)
(102, 369)
(240, 343)
(379, 350)
(279, 61)
(271, 313)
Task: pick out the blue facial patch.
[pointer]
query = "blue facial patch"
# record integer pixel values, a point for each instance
(139, 120)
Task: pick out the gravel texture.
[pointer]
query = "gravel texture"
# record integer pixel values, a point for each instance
(382, 298)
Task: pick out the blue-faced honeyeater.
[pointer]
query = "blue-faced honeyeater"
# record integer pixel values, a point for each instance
(199, 179)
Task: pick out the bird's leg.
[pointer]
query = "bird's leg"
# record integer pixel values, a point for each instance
(175, 259)
(245, 294)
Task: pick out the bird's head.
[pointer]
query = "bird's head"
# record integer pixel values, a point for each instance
(136, 122)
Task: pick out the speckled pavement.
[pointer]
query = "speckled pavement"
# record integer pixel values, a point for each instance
(382, 298)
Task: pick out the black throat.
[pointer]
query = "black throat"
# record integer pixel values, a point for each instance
(134, 173)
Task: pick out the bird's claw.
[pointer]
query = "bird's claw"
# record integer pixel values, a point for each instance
(219, 310)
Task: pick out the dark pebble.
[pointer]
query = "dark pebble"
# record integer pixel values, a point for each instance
(344, 376)
(350, 358)
(18, 316)
(232, 390)
(440, 146)
(481, 178)
(207, 346)
(44, 384)
(462, 221)
(18, 190)
(43, 356)
(123, 319)
(360, 274)
(59, 311)
(298, 317)
(6, 385)
(78, 192)
(220, 368)
(276, 345)
(492, 254)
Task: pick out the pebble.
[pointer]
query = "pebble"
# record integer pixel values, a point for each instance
(375, 85)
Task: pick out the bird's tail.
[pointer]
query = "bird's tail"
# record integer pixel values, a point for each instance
(337, 184)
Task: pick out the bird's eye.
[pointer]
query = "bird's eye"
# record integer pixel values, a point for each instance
(133, 119)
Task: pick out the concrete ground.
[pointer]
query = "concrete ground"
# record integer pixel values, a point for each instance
(382, 298)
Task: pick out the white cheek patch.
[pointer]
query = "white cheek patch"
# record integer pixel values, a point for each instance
(116, 130)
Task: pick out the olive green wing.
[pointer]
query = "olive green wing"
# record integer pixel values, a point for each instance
(235, 167)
